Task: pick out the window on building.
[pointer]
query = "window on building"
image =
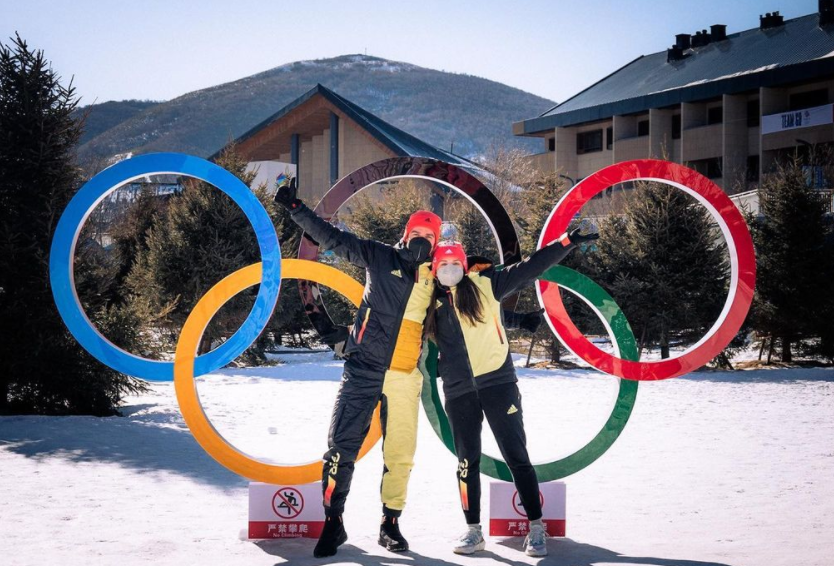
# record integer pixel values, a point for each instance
(551, 144)
(802, 100)
(710, 168)
(714, 167)
(753, 169)
(589, 142)
(676, 126)
(715, 115)
(753, 113)
(609, 137)
(642, 128)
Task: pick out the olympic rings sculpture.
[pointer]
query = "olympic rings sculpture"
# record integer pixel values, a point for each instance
(624, 364)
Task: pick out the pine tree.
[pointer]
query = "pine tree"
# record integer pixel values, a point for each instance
(130, 232)
(42, 368)
(383, 217)
(201, 237)
(795, 266)
(665, 264)
(289, 323)
(537, 200)
(474, 231)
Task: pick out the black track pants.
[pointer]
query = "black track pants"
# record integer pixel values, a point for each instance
(358, 396)
(502, 406)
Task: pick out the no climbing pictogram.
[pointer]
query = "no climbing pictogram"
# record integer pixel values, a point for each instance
(287, 503)
(518, 506)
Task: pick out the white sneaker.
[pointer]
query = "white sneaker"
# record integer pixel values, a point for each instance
(535, 544)
(472, 541)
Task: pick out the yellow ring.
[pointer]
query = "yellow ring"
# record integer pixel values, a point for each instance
(186, 388)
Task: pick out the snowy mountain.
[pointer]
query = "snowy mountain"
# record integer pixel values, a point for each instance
(439, 107)
(98, 118)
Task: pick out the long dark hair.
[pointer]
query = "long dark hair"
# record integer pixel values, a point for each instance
(467, 301)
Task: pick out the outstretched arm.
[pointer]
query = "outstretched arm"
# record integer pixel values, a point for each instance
(358, 251)
(517, 276)
(514, 277)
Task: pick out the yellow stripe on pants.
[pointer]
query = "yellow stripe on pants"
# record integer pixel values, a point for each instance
(402, 394)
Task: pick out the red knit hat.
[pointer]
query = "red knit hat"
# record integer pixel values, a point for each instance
(424, 219)
(448, 250)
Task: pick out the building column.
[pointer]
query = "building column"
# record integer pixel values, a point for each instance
(734, 143)
(334, 148)
(771, 101)
(660, 133)
(566, 162)
(691, 117)
(625, 127)
(320, 169)
(294, 152)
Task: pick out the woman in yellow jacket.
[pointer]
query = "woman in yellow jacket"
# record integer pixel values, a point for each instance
(476, 367)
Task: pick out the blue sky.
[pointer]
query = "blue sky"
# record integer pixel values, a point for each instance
(158, 50)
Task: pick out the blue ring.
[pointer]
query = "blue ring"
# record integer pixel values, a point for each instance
(93, 192)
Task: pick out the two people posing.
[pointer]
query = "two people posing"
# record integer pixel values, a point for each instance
(421, 281)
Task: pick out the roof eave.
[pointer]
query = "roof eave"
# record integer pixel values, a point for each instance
(768, 78)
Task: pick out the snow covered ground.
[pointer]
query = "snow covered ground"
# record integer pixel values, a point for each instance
(713, 469)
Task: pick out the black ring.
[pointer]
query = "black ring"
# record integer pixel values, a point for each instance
(433, 170)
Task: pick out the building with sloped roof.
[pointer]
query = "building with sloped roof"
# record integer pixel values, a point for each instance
(326, 136)
(729, 105)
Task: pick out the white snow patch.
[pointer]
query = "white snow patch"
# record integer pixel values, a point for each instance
(721, 78)
(714, 468)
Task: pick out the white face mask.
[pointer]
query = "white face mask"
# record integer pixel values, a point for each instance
(450, 274)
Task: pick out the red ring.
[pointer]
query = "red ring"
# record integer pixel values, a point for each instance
(742, 262)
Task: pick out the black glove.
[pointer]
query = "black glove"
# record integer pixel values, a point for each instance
(286, 194)
(587, 231)
(532, 320)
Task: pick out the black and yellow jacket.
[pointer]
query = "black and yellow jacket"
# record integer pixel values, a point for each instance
(476, 356)
(388, 329)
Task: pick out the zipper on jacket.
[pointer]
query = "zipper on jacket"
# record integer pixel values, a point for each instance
(399, 320)
(462, 337)
(364, 324)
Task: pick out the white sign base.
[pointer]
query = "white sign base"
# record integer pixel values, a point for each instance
(291, 511)
(507, 517)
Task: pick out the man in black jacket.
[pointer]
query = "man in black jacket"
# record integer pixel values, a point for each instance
(382, 352)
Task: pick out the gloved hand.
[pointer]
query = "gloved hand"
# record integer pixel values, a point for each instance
(286, 194)
(587, 231)
(532, 320)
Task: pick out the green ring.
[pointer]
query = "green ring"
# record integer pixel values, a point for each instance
(605, 307)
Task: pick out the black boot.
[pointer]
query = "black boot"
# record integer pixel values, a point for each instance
(390, 536)
(332, 536)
